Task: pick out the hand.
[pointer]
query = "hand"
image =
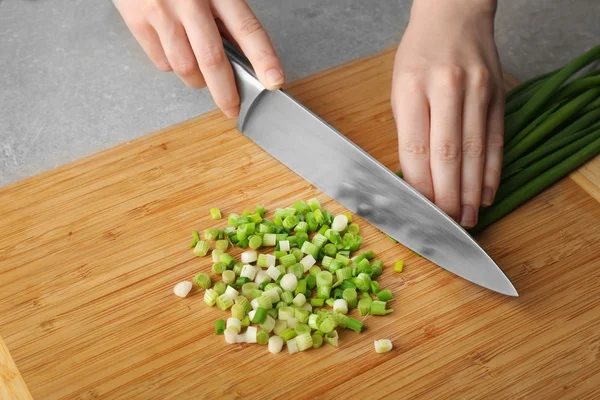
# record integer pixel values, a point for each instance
(448, 102)
(184, 36)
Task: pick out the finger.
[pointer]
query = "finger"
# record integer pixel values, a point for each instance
(494, 148)
(148, 39)
(226, 34)
(208, 47)
(252, 39)
(446, 100)
(475, 110)
(177, 47)
(411, 111)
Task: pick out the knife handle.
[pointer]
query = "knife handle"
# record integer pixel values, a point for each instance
(249, 87)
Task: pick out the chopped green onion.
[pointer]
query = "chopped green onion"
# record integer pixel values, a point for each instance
(300, 288)
(220, 327)
(354, 324)
(273, 295)
(264, 228)
(324, 229)
(269, 324)
(237, 311)
(340, 306)
(255, 242)
(332, 338)
(287, 260)
(383, 345)
(262, 337)
(228, 277)
(338, 293)
(195, 239)
(311, 221)
(297, 253)
(286, 313)
(259, 316)
(221, 244)
(256, 218)
(364, 305)
(215, 213)
(349, 295)
(210, 297)
(314, 204)
(301, 238)
(374, 287)
(230, 335)
(227, 259)
(201, 248)
(379, 308)
(301, 227)
(385, 295)
(323, 292)
(329, 301)
(275, 344)
(284, 245)
(343, 273)
(260, 210)
(353, 228)
(202, 280)
(330, 250)
(311, 281)
(246, 322)
(399, 266)
(340, 222)
(269, 239)
(232, 220)
(377, 267)
(287, 297)
(301, 315)
(235, 324)
(319, 217)
(304, 341)
(310, 248)
(299, 300)
(290, 222)
(211, 234)
(224, 301)
(182, 289)
(279, 327)
(219, 268)
(317, 302)
(340, 319)
(301, 206)
(327, 325)
(243, 303)
(344, 260)
(363, 282)
(242, 243)
(256, 293)
(288, 334)
(296, 269)
(247, 288)
(334, 265)
(220, 287)
(326, 262)
(346, 284)
(272, 312)
(317, 340)
(265, 302)
(249, 271)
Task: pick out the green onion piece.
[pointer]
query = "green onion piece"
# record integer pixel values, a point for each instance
(297, 253)
(363, 282)
(300, 287)
(359, 258)
(351, 297)
(269, 324)
(246, 321)
(338, 293)
(324, 278)
(244, 303)
(317, 302)
(377, 267)
(328, 325)
(304, 341)
(364, 305)
(201, 248)
(202, 280)
(317, 340)
(374, 287)
(195, 239)
(334, 265)
(354, 324)
(302, 237)
(224, 302)
(272, 313)
(256, 293)
(314, 321)
(255, 242)
(324, 229)
(314, 204)
(246, 213)
(319, 241)
(301, 315)
(265, 302)
(228, 277)
(340, 306)
(290, 221)
(399, 266)
(346, 284)
(280, 305)
(296, 269)
(269, 239)
(334, 237)
(287, 260)
(220, 287)
(281, 236)
(340, 319)
(343, 273)
(329, 301)
(344, 260)
(301, 227)
(301, 206)
(385, 295)
(287, 297)
(273, 294)
(310, 248)
(237, 311)
(218, 268)
(379, 308)
(287, 334)
(210, 297)
(311, 221)
(264, 228)
(243, 243)
(215, 213)
(353, 228)
(327, 217)
(356, 243)
(332, 338)
(319, 217)
(256, 218)
(211, 234)
(286, 313)
(227, 259)
(314, 270)
(330, 250)
(275, 286)
(282, 270)
(278, 220)
(232, 220)
(222, 244)
(369, 254)
(247, 288)
(311, 281)
(259, 316)
(262, 337)
(219, 327)
(326, 262)
(260, 210)
(261, 261)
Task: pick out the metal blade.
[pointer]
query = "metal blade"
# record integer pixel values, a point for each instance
(327, 159)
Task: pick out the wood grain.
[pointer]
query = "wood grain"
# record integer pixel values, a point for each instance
(12, 385)
(89, 254)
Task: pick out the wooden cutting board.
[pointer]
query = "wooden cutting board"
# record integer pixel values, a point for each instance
(90, 252)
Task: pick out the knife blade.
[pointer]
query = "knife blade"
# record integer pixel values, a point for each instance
(282, 126)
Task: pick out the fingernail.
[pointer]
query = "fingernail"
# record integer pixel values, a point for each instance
(467, 218)
(487, 197)
(274, 77)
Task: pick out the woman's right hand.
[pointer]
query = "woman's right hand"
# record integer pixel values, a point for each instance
(184, 36)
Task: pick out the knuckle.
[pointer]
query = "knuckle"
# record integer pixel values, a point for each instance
(448, 151)
(495, 141)
(411, 80)
(185, 69)
(154, 8)
(211, 56)
(250, 25)
(415, 148)
(492, 175)
(228, 102)
(473, 147)
(480, 78)
(451, 76)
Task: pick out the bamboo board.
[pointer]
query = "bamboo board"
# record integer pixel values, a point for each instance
(89, 254)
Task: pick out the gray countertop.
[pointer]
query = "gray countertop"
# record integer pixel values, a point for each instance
(73, 80)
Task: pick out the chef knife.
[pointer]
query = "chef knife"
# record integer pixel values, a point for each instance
(317, 152)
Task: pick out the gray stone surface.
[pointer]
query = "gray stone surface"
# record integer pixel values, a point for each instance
(73, 81)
